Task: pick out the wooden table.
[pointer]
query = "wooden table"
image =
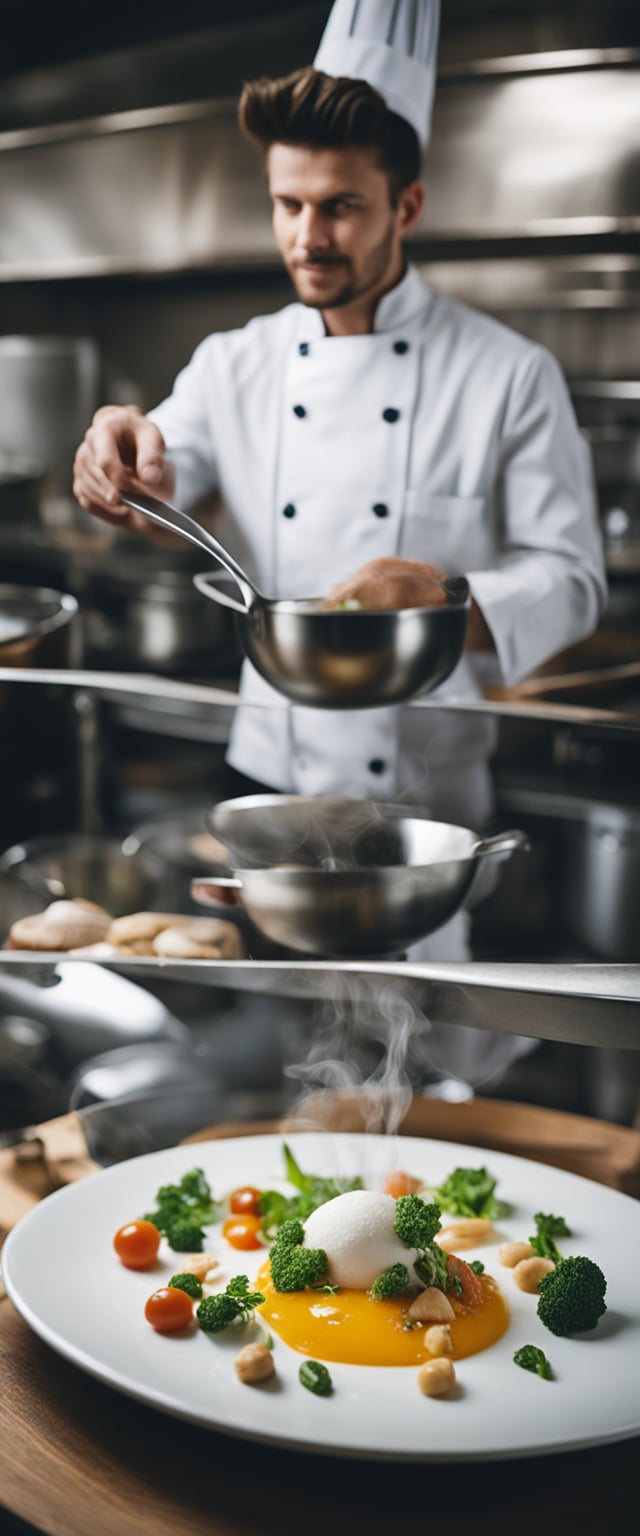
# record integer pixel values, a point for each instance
(79, 1459)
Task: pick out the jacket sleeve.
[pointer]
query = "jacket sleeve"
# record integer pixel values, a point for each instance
(184, 420)
(548, 587)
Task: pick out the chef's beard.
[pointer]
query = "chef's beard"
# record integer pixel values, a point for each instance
(359, 280)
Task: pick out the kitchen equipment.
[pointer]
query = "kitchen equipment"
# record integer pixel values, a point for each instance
(88, 1010)
(395, 882)
(331, 659)
(144, 615)
(579, 1004)
(121, 877)
(602, 879)
(166, 692)
(182, 848)
(20, 487)
(160, 1116)
(49, 392)
(34, 625)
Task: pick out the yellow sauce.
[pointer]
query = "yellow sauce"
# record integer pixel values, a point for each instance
(358, 1331)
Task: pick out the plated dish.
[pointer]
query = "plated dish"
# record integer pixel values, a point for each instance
(61, 1271)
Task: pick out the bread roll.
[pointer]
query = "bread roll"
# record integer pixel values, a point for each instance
(142, 926)
(200, 938)
(64, 925)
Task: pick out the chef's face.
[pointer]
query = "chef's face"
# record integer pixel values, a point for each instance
(338, 232)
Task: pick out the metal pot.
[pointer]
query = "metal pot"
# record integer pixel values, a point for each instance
(119, 877)
(318, 656)
(34, 625)
(406, 877)
(49, 392)
(602, 874)
(21, 482)
(149, 616)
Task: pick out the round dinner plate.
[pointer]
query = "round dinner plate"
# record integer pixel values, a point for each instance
(62, 1274)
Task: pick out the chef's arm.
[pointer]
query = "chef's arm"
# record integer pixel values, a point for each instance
(547, 588)
(479, 636)
(185, 420)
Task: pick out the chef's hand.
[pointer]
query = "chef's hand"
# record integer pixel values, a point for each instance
(122, 451)
(392, 583)
(395, 583)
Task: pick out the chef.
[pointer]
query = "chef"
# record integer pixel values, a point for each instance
(371, 436)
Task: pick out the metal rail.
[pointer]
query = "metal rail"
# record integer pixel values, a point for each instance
(119, 687)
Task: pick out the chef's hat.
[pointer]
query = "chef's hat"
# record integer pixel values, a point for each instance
(392, 44)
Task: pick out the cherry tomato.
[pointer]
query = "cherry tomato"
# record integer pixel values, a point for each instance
(168, 1310)
(399, 1183)
(242, 1231)
(245, 1201)
(137, 1244)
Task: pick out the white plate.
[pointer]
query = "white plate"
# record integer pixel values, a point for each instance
(62, 1274)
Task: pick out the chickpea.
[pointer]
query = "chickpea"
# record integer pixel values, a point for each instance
(431, 1306)
(529, 1272)
(437, 1339)
(510, 1254)
(198, 1264)
(436, 1377)
(477, 1227)
(255, 1363)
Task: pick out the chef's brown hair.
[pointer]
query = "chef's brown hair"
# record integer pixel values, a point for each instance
(326, 112)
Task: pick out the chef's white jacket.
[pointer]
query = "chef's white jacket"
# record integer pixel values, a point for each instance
(442, 437)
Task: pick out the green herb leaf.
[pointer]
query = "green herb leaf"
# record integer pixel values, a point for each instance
(315, 1377)
(276, 1208)
(548, 1227)
(533, 1359)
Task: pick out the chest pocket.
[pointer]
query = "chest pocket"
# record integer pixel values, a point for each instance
(452, 531)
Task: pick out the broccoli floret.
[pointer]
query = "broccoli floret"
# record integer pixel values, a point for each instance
(217, 1312)
(294, 1267)
(571, 1296)
(236, 1303)
(533, 1359)
(189, 1283)
(183, 1237)
(390, 1282)
(416, 1223)
(188, 1204)
(547, 1229)
(470, 1192)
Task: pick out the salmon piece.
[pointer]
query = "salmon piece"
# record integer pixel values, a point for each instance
(472, 1287)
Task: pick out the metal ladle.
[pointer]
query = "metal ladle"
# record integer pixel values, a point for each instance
(330, 658)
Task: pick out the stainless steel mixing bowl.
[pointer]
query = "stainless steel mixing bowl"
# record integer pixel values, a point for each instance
(326, 657)
(377, 887)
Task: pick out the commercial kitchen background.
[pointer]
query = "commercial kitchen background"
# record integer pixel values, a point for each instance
(135, 221)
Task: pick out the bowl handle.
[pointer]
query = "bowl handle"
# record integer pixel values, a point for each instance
(201, 886)
(204, 581)
(503, 842)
